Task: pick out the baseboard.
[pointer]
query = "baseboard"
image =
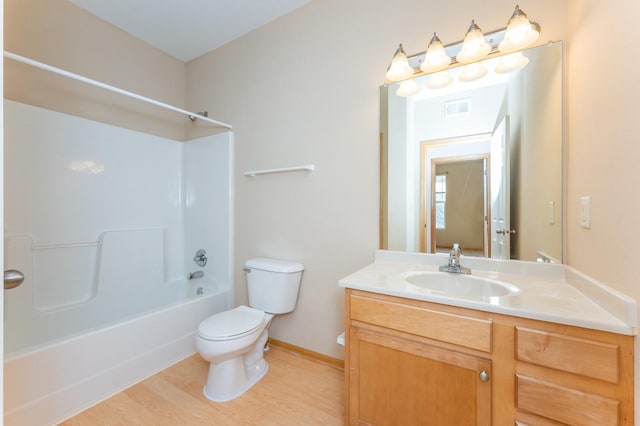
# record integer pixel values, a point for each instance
(315, 356)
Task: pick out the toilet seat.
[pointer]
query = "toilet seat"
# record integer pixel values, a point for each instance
(231, 324)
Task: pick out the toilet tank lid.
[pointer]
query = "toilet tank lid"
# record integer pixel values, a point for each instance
(274, 265)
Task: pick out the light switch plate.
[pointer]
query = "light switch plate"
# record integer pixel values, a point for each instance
(551, 212)
(585, 212)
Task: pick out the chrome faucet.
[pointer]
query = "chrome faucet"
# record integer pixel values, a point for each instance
(196, 274)
(454, 265)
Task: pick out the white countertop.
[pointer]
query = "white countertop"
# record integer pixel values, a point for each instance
(548, 292)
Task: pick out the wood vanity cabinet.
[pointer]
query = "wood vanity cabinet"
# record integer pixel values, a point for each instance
(411, 362)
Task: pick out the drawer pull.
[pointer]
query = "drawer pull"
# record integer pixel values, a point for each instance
(484, 376)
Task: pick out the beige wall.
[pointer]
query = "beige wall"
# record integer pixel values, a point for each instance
(62, 35)
(604, 148)
(304, 89)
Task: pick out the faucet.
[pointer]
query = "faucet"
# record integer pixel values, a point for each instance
(196, 274)
(454, 262)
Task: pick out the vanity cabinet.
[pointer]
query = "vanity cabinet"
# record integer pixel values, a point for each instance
(410, 362)
(573, 376)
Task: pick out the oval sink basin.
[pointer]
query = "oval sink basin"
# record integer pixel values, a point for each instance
(461, 286)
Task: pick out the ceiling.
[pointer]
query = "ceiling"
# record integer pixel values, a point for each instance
(186, 29)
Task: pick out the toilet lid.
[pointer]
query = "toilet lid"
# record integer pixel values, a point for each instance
(234, 323)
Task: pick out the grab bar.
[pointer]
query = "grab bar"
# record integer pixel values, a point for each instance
(66, 245)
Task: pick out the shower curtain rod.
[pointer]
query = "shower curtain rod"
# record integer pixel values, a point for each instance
(112, 88)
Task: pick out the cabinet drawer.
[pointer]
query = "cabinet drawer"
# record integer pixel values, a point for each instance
(564, 404)
(460, 330)
(596, 359)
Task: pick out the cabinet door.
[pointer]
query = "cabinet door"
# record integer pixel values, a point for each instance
(394, 381)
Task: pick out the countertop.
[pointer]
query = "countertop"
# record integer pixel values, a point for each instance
(547, 292)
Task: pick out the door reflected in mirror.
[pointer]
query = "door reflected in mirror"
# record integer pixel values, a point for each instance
(476, 163)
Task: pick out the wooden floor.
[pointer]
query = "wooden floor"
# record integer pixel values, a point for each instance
(295, 391)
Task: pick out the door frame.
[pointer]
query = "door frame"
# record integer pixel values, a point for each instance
(427, 177)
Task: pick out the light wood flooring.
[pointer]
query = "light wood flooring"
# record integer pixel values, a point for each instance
(295, 391)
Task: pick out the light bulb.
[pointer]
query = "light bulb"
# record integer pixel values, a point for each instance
(436, 58)
(439, 80)
(399, 68)
(473, 72)
(408, 88)
(474, 47)
(519, 33)
(511, 62)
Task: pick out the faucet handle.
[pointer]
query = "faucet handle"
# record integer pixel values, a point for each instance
(200, 258)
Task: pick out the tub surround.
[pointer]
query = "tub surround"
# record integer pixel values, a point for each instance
(106, 301)
(548, 292)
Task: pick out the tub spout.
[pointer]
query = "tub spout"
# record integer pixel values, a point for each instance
(196, 274)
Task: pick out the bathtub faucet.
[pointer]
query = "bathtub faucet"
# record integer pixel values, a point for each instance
(196, 274)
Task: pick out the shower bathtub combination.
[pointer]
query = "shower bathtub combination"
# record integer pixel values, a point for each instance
(105, 223)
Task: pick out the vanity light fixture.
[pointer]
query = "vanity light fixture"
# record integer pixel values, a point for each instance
(435, 59)
(439, 80)
(399, 68)
(408, 88)
(520, 33)
(474, 48)
(506, 43)
(511, 62)
(473, 72)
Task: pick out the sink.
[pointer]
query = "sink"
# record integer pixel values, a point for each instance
(461, 286)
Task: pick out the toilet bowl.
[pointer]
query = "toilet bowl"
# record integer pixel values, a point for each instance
(233, 341)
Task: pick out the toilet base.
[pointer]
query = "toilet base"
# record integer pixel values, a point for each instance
(233, 377)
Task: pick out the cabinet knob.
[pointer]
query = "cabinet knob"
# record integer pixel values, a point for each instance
(484, 376)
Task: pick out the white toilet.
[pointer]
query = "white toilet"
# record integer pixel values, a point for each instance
(233, 341)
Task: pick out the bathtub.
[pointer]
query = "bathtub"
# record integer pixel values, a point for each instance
(50, 383)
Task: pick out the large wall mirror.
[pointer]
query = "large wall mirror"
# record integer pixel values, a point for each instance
(476, 163)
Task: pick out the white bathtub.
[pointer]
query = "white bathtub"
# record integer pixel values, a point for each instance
(48, 384)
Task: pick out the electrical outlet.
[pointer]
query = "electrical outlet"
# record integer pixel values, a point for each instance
(585, 212)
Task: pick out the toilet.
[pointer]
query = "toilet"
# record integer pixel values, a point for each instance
(233, 341)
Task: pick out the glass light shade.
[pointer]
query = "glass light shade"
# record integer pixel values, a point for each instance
(399, 68)
(473, 72)
(519, 33)
(436, 58)
(439, 80)
(408, 88)
(474, 47)
(511, 62)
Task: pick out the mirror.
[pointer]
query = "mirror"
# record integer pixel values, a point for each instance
(476, 163)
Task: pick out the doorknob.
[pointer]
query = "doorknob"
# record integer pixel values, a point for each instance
(12, 279)
(505, 231)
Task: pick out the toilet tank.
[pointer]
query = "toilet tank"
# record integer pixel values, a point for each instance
(273, 284)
